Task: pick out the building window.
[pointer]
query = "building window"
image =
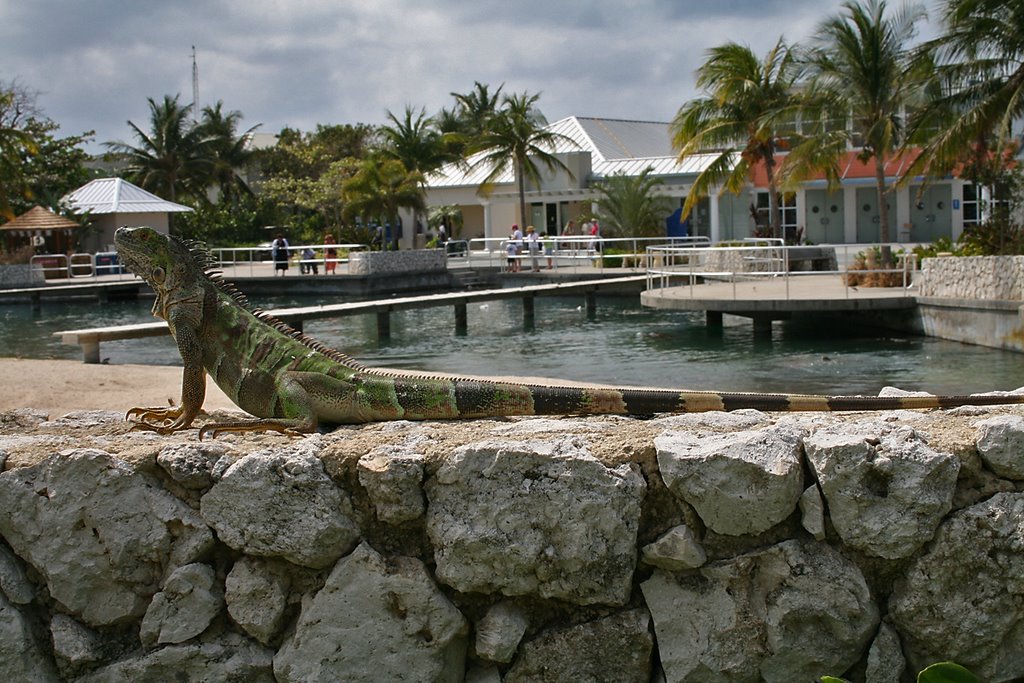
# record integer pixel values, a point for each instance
(787, 207)
(981, 204)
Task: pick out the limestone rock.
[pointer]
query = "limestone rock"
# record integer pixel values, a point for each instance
(229, 659)
(786, 613)
(281, 505)
(75, 645)
(22, 656)
(812, 513)
(499, 632)
(1000, 444)
(189, 601)
(739, 483)
(885, 496)
(676, 550)
(540, 518)
(192, 464)
(617, 648)
(963, 598)
(394, 481)
(13, 582)
(375, 619)
(257, 597)
(98, 531)
(885, 658)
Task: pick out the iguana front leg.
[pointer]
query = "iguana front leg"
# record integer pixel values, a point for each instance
(193, 391)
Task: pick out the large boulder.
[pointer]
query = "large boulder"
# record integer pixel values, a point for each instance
(376, 619)
(963, 599)
(616, 648)
(190, 599)
(98, 531)
(541, 518)
(1000, 444)
(739, 483)
(791, 612)
(886, 495)
(257, 595)
(284, 505)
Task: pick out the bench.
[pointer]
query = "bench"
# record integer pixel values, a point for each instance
(89, 339)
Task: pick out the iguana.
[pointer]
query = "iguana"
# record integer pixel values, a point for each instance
(293, 383)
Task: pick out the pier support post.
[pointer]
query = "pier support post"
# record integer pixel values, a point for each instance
(383, 325)
(528, 312)
(461, 319)
(714, 318)
(762, 326)
(296, 325)
(591, 305)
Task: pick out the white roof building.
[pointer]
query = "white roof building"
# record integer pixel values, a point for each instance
(599, 148)
(115, 202)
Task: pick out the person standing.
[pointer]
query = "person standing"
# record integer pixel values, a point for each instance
(533, 248)
(517, 243)
(279, 252)
(330, 254)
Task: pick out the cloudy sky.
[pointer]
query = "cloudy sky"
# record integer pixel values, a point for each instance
(301, 62)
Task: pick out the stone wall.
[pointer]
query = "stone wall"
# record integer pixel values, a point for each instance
(20, 275)
(397, 262)
(710, 547)
(972, 277)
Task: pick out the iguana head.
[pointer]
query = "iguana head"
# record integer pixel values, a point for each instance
(164, 262)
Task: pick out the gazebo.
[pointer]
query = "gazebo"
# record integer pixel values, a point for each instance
(114, 202)
(41, 228)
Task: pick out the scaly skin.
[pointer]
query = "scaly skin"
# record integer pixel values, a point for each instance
(293, 383)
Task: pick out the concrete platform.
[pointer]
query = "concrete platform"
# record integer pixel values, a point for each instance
(777, 298)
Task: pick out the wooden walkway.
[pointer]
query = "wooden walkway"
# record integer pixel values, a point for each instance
(90, 339)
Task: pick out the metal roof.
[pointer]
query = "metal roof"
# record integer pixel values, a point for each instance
(116, 195)
(616, 147)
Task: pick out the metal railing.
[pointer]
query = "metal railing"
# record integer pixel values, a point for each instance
(567, 251)
(254, 257)
(753, 259)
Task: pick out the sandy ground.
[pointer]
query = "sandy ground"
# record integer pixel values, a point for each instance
(61, 386)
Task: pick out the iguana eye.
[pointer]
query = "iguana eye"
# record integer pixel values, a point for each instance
(158, 274)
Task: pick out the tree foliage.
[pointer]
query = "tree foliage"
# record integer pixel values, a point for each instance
(629, 207)
(862, 66)
(518, 138)
(741, 121)
(37, 166)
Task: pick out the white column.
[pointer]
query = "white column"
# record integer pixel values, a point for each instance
(850, 209)
(488, 228)
(714, 218)
(902, 196)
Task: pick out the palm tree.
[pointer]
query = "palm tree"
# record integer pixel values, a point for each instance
(748, 109)
(175, 159)
(230, 150)
(862, 70)
(476, 108)
(629, 207)
(380, 189)
(415, 141)
(979, 64)
(15, 145)
(518, 137)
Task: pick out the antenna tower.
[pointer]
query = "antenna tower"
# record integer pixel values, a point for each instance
(195, 87)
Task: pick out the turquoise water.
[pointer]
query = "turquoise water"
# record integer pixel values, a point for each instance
(623, 344)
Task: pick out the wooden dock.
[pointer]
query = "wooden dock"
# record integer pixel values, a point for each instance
(90, 339)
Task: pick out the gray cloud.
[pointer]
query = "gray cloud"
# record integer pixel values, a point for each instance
(304, 62)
